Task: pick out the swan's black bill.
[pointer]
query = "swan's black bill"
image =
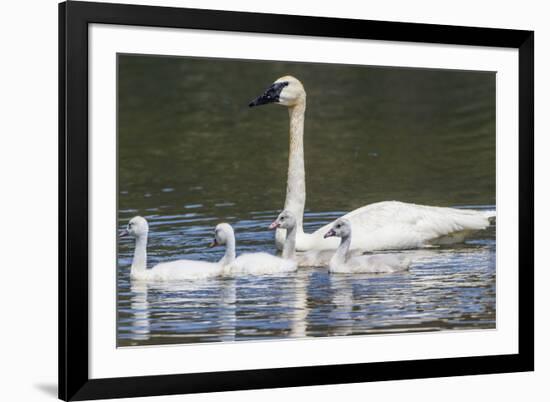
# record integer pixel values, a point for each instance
(124, 233)
(330, 233)
(271, 94)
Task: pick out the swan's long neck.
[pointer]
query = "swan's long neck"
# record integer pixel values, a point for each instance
(229, 255)
(342, 252)
(139, 263)
(296, 179)
(290, 243)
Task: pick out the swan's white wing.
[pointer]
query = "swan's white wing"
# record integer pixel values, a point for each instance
(373, 264)
(261, 263)
(397, 225)
(184, 269)
(314, 258)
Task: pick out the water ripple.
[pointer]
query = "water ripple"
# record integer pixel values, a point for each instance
(446, 288)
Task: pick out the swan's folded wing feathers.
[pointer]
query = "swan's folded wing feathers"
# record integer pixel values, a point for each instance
(185, 269)
(314, 258)
(261, 263)
(378, 263)
(395, 225)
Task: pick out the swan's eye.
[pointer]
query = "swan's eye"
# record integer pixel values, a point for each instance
(338, 226)
(282, 218)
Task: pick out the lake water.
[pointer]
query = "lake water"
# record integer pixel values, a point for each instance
(192, 154)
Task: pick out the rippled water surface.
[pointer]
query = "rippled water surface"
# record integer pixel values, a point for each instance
(192, 154)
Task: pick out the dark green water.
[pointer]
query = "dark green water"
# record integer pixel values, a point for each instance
(192, 154)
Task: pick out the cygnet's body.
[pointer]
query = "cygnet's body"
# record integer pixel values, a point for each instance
(344, 261)
(256, 263)
(168, 271)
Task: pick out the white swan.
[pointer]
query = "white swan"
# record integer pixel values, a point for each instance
(344, 262)
(379, 226)
(253, 263)
(168, 271)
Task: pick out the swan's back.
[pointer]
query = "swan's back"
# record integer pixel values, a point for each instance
(314, 258)
(375, 264)
(261, 263)
(398, 225)
(182, 270)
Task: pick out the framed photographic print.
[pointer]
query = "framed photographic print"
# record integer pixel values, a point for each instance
(191, 259)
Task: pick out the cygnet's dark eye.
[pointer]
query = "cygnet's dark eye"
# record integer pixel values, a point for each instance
(339, 226)
(282, 218)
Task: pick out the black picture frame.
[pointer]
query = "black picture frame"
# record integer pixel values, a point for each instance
(74, 381)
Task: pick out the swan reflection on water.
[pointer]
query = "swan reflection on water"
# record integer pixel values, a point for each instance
(171, 308)
(141, 327)
(445, 288)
